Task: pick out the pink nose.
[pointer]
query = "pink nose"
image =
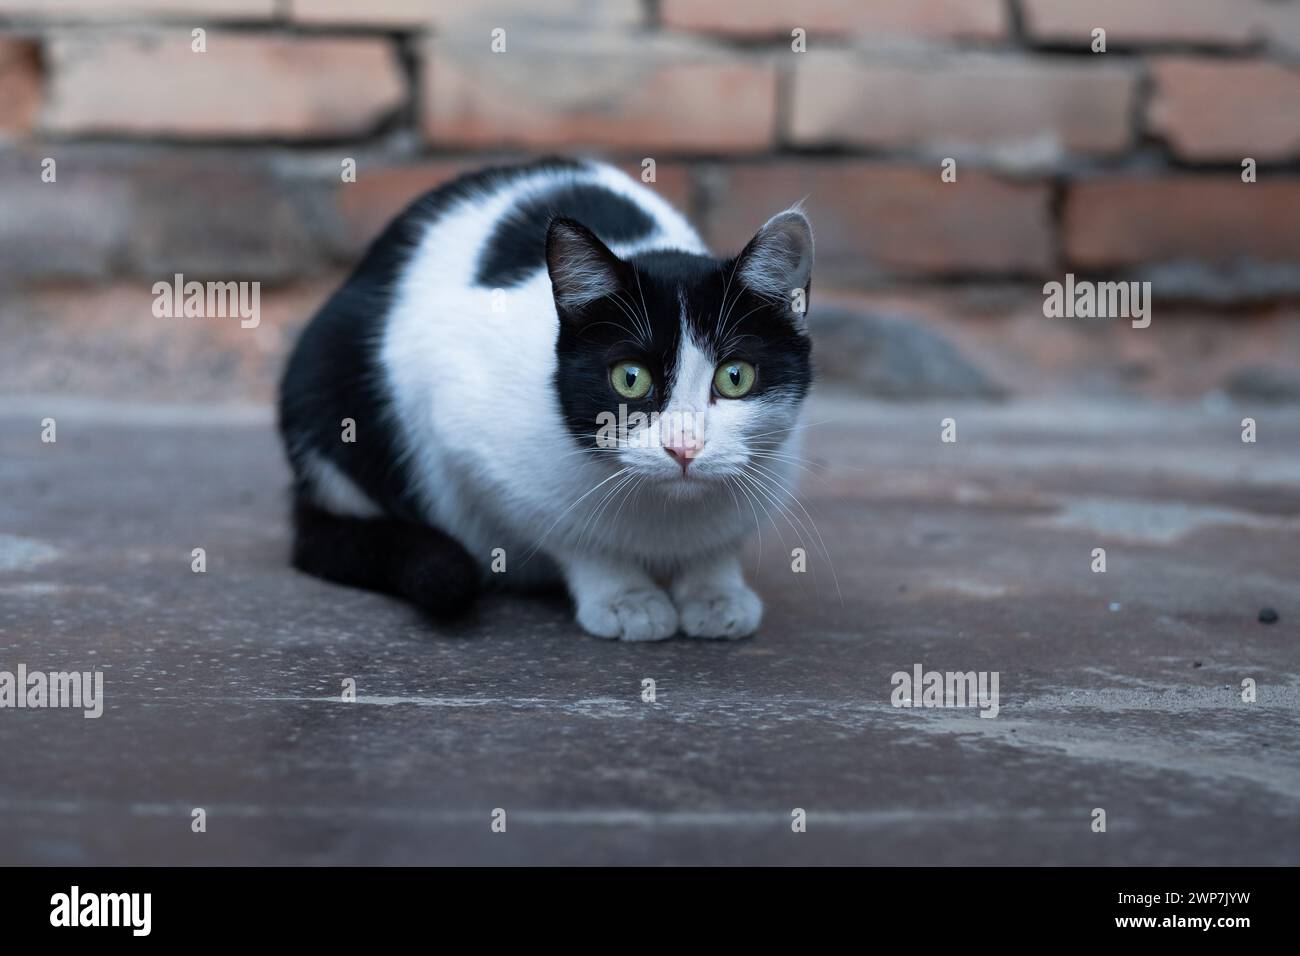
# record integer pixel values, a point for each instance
(683, 455)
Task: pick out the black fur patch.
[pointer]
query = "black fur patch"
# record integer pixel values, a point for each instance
(517, 246)
(415, 562)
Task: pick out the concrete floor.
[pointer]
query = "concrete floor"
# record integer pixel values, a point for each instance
(1118, 690)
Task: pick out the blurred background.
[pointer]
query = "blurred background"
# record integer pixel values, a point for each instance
(228, 165)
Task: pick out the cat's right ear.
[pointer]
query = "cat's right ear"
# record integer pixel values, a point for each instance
(581, 266)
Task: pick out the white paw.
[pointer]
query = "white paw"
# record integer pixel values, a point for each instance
(720, 612)
(644, 614)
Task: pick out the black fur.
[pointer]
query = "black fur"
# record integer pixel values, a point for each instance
(517, 247)
(411, 561)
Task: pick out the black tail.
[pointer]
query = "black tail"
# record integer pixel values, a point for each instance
(410, 561)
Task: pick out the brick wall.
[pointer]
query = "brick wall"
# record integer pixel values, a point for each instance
(226, 164)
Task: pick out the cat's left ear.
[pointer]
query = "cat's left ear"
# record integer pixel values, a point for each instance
(777, 263)
(582, 267)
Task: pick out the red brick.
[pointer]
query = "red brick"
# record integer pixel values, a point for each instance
(417, 14)
(243, 86)
(228, 214)
(1218, 219)
(387, 13)
(874, 221)
(197, 11)
(150, 212)
(928, 19)
(74, 227)
(639, 95)
(1007, 105)
(105, 340)
(1226, 109)
(382, 191)
(672, 182)
(1227, 23)
(20, 84)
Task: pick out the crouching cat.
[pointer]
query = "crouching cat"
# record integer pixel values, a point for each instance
(539, 374)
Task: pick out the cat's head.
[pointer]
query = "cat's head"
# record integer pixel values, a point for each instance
(687, 370)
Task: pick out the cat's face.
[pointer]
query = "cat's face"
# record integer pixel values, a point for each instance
(688, 371)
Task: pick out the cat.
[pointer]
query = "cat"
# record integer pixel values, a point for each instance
(539, 375)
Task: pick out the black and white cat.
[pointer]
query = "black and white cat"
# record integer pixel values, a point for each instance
(457, 403)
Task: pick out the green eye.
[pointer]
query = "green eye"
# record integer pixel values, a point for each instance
(630, 379)
(734, 379)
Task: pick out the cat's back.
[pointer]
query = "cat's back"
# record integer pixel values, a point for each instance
(487, 231)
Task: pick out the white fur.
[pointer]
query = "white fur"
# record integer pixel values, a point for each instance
(497, 468)
(335, 491)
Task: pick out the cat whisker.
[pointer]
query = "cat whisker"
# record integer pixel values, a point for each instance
(635, 491)
(800, 463)
(789, 517)
(622, 328)
(764, 501)
(799, 426)
(731, 339)
(725, 308)
(758, 526)
(592, 522)
(644, 311)
(774, 481)
(641, 328)
(532, 551)
(732, 344)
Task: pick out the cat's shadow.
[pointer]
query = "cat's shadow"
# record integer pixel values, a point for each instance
(495, 613)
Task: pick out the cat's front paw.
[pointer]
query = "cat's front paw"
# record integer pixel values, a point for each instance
(727, 612)
(644, 614)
